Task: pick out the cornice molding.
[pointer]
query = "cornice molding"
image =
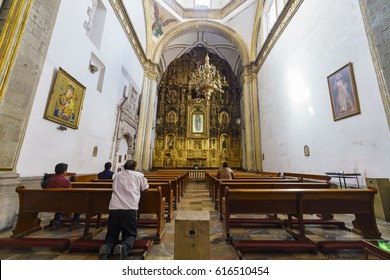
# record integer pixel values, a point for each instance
(203, 13)
(128, 28)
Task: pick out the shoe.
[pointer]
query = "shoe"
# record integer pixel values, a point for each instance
(118, 252)
(55, 225)
(75, 226)
(103, 252)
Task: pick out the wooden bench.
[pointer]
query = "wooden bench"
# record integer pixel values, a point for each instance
(263, 185)
(217, 182)
(166, 189)
(270, 173)
(84, 177)
(181, 176)
(177, 183)
(298, 202)
(307, 177)
(90, 201)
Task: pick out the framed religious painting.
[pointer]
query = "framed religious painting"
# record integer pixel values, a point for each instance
(65, 101)
(343, 93)
(197, 123)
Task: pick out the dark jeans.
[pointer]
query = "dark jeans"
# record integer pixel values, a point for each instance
(124, 221)
(76, 217)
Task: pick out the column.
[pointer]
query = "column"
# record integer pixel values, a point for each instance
(251, 118)
(143, 150)
(24, 47)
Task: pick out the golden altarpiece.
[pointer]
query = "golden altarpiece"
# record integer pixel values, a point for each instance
(194, 129)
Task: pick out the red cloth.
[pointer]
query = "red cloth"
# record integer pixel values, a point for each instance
(58, 181)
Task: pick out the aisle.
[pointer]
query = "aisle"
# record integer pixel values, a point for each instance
(196, 198)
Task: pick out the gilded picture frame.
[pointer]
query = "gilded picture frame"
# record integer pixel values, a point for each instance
(65, 102)
(343, 93)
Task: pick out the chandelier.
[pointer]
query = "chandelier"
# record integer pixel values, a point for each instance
(207, 80)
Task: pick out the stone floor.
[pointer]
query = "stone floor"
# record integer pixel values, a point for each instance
(196, 198)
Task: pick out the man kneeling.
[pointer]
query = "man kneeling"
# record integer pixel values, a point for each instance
(126, 193)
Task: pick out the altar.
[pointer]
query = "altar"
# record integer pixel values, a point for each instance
(196, 161)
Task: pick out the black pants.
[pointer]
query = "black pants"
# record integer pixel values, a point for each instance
(124, 221)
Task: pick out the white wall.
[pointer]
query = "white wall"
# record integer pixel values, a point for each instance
(71, 49)
(135, 10)
(295, 107)
(240, 23)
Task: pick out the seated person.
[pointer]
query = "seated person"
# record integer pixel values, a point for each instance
(58, 180)
(107, 173)
(225, 172)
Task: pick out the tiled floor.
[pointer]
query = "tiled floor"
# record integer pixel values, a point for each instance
(196, 198)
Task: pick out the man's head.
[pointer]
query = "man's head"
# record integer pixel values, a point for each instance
(61, 168)
(107, 165)
(130, 165)
(225, 164)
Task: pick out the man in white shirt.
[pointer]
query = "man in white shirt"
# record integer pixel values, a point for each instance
(126, 193)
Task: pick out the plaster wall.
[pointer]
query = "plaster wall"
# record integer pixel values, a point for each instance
(240, 23)
(135, 10)
(295, 107)
(44, 145)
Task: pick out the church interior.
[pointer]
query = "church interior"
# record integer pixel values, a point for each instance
(293, 94)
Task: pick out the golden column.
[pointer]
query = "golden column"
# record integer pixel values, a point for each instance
(251, 118)
(143, 150)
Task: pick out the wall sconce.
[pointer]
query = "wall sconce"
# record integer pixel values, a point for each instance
(238, 121)
(93, 68)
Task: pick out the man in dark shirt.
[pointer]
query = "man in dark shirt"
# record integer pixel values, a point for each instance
(107, 173)
(58, 180)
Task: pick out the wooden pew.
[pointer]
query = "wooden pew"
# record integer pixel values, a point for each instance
(84, 177)
(298, 202)
(307, 177)
(181, 176)
(175, 182)
(217, 182)
(270, 173)
(264, 185)
(165, 186)
(82, 200)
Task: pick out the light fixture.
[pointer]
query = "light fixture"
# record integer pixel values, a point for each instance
(93, 68)
(207, 79)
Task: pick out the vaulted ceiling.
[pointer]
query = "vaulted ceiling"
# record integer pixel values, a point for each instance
(222, 14)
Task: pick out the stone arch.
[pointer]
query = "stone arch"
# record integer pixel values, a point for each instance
(197, 25)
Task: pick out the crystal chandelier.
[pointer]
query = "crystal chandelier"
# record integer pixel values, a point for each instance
(207, 80)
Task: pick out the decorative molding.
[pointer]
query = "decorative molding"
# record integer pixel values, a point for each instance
(132, 35)
(283, 20)
(203, 13)
(10, 38)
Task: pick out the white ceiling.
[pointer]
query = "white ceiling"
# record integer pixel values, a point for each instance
(215, 43)
(222, 12)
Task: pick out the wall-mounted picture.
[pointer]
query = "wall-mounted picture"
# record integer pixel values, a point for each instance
(197, 123)
(343, 94)
(65, 101)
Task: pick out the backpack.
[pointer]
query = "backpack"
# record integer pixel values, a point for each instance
(45, 179)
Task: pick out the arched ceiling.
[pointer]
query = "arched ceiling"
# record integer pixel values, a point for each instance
(208, 12)
(215, 43)
(187, 24)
